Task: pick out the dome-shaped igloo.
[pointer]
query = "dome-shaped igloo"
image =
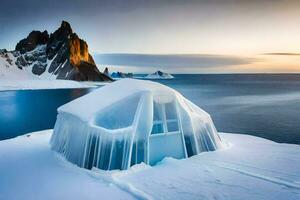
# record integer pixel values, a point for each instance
(129, 122)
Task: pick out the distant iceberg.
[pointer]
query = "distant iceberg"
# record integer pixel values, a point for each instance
(132, 121)
(159, 75)
(118, 75)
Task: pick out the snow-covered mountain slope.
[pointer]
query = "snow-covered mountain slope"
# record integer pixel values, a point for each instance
(62, 55)
(10, 71)
(159, 75)
(251, 168)
(14, 77)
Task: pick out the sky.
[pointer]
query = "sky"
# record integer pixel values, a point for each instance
(264, 35)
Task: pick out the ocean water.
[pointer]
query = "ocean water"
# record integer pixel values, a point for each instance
(25, 111)
(262, 105)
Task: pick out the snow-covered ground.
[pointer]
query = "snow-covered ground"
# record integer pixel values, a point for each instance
(34, 84)
(251, 168)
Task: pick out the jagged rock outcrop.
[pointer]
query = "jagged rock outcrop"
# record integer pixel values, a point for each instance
(71, 58)
(62, 54)
(58, 39)
(34, 39)
(106, 72)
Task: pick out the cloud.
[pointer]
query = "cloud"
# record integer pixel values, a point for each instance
(171, 61)
(282, 54)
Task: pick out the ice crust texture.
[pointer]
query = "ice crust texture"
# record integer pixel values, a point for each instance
(132, 121)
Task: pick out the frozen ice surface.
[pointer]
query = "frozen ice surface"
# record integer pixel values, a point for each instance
(132, 121)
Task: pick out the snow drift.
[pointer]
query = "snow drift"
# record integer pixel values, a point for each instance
(252, 168)
(129, 122)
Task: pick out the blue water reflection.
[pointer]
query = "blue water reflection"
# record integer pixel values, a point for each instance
(31, 110)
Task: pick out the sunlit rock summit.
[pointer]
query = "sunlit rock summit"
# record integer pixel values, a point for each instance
(60, 55)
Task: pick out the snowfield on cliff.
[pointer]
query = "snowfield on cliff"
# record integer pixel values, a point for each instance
(250, 168)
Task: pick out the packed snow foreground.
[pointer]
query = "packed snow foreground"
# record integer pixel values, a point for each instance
(251, 168)
(132, 121)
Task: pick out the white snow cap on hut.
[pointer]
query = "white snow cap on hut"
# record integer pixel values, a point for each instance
(129, 122)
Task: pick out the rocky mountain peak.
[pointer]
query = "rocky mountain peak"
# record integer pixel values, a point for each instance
(79, 51)
(34, 39)
(58, 38)
(66, 26)
(62, 33)
(62, 54)
(106, 72)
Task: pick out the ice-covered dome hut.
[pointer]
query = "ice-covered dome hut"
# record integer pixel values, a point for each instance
(129, 122)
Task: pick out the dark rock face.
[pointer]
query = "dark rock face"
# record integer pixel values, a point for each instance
(33, 39)
(106, 72)
(21, 62)
(60, 58)
(63, 53)
(3, 51)
(38, 69)
(4, 55)
(58, 39)
(160, 73)
(87, 71)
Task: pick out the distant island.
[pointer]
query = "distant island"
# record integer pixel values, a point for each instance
(120, 75)
(117, 75)
(159, 75)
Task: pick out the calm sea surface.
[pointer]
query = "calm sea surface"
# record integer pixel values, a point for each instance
(26, 111)
(262, 105)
